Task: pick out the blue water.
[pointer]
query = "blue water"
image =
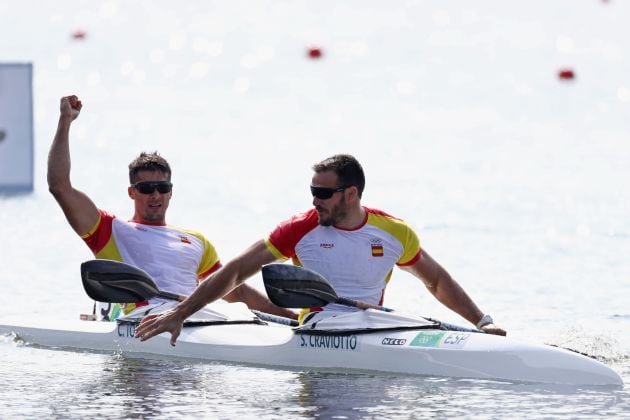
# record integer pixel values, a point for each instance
(514, 180)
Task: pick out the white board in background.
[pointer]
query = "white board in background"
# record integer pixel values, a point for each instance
(16, 127)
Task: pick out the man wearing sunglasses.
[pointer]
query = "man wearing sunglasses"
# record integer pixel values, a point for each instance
(177, 259)
(354, 247)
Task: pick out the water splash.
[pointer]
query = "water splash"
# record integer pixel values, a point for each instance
(13, 338)
(602, 347)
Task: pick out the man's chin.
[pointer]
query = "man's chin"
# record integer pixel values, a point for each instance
(153, 217)
(325, 222)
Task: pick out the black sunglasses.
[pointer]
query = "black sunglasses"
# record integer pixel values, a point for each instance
(149, 187)
(324, 193)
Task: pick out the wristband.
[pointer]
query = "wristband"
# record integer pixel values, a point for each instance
(485, 320)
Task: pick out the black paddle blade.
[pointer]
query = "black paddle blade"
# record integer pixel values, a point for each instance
(290, 286)
(116, 282)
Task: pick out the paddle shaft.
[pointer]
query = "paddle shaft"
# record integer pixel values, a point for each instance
(361, 305)
(262, 315)
(171, 296)
(364, 305)
(292, 286)
(275, 318)
(114, 281)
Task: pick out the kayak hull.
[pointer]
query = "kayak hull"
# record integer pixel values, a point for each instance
(419, 351)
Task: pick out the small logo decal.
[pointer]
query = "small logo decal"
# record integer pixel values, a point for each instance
(393, 341)
(455, 339)
(327, 246)
(427, 339)
(377, 250)
(184, 239)
(377, 247)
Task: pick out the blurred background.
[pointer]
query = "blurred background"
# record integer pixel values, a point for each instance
(499, 131)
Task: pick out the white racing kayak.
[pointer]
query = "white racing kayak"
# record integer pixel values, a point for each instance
(367, 340)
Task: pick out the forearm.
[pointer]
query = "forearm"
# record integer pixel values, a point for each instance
(81, 212)
(454, 297)
(214, 288)
(257, 301)
(444, 287)
(59, 157)
(227, 278)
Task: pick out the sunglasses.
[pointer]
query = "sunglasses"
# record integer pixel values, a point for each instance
(324, 193)
(149, 187)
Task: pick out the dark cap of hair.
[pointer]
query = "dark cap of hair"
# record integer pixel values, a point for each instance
(348, 170)
(148, 162)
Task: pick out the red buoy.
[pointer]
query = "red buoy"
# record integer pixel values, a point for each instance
(79, 34)
(314, 52)
(566, 74)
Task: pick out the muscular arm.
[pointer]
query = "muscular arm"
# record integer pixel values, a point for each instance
(233, 274)
(79, 209)
(448, 291)
(256, 300)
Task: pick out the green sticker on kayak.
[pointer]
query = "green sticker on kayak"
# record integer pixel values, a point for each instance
(427, 339)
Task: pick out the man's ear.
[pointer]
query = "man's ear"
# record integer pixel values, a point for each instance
(131, 191)
(354, 193)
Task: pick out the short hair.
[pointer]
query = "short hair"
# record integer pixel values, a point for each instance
(347, 168)
(148, 162)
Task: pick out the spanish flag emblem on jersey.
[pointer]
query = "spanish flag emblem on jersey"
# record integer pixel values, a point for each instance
(377, 250)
